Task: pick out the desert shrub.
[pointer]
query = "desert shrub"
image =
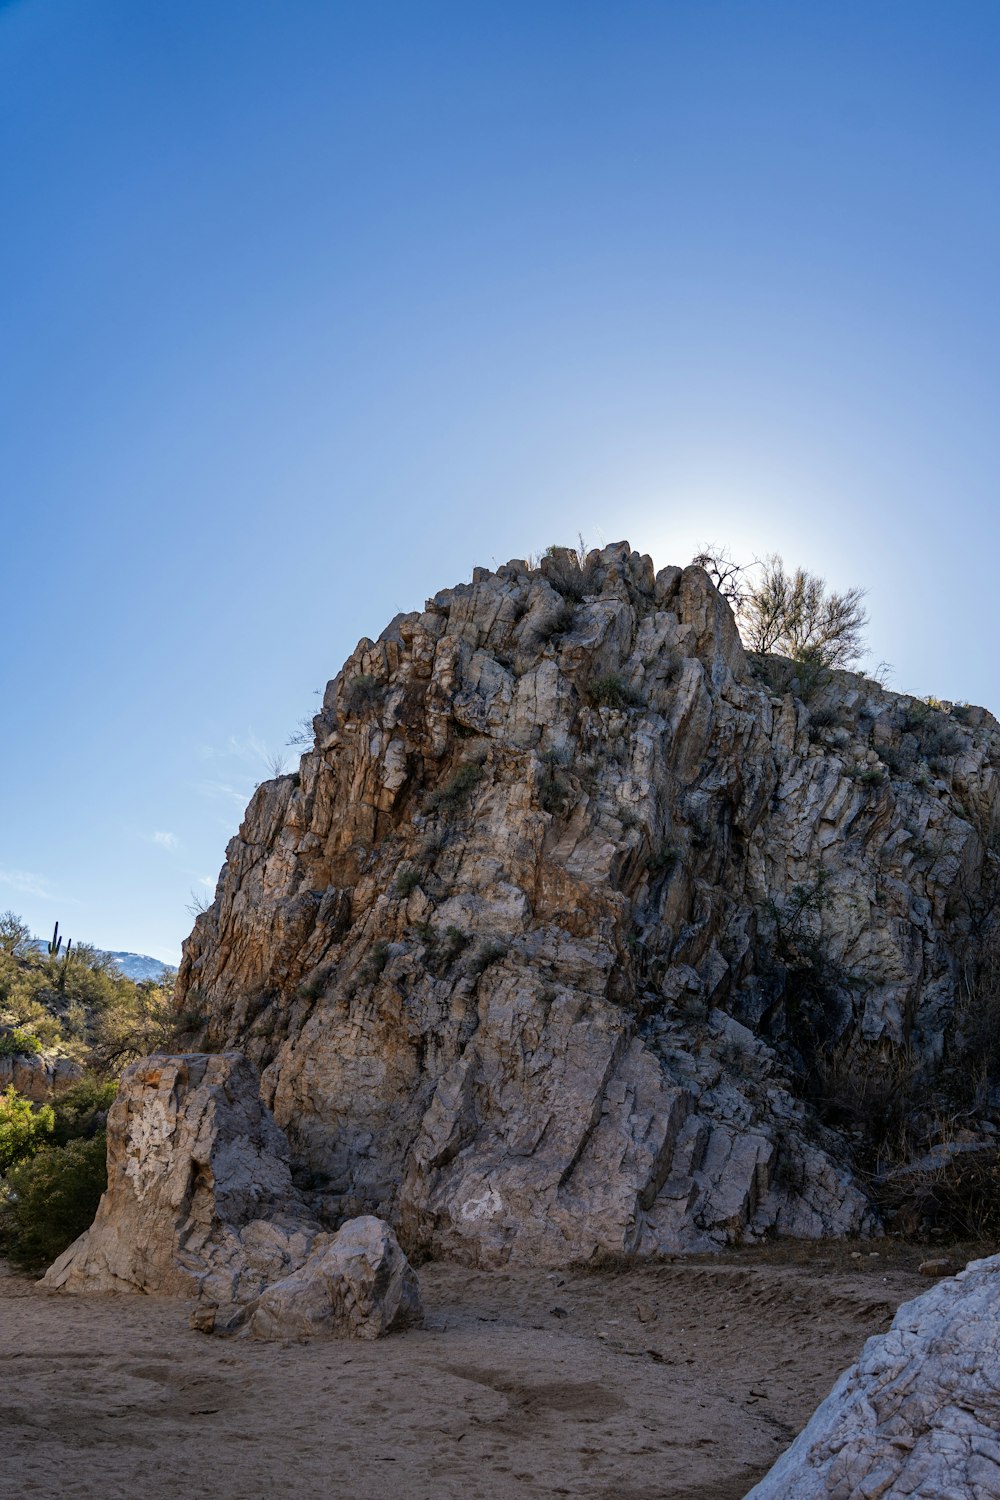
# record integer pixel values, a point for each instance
(869, 1091)
(456, 790)
(441, 949)
(362, 692)
(18, 1043)
(558, 623)
(916, 716)
(957, 1199)
(554, 785)
(900, 759)
(455, 942)
(872, 777)
(941, 739)
(140, 1019)
(376, 960)
(612, 691)
(488, 953)
(406, 882)
(663, 860)
(24, 1128)
(34, 1019)
(111, 1019)
(566, 570)
(824, 716)
(50, 1199)
(83, 1110)
(15, 934)
(796, 615)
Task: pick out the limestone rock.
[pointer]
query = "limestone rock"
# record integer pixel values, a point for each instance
(516, 947)
(200, 1197)
(917, 1415)
(358, 1286)
(40, 1076)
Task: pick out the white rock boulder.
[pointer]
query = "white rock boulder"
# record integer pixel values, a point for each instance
(918, 1415)
(360, 1285)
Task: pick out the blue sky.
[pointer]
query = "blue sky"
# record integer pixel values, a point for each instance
(309, 308)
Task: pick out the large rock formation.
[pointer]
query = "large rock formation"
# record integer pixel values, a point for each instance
(917, 1415)
(567, 893)
(200, 1198)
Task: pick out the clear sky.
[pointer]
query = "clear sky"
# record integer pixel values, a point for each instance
(308, 308)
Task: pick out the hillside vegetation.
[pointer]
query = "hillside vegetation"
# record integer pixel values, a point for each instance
(70, 1021)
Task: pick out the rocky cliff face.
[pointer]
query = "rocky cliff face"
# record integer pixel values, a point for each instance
(537, 947)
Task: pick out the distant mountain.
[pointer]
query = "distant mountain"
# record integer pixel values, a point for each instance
(132, 965)
(140, 965)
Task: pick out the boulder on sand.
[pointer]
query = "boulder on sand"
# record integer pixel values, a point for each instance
(360, 1285)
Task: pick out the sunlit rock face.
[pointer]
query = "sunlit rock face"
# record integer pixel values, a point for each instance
(520, 947)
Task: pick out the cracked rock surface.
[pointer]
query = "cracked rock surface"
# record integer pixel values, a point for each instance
(358, 1286)
(200, 1197)
(506, 947)
(918, 1415)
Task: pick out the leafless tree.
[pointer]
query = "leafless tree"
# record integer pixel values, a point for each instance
(795, 614)
(200, 902)
(303, 732)
(731, 578)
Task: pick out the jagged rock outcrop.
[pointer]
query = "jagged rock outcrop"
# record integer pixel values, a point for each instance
(200, 1198)
(358, 1286)
(529, 948)
(917, 1415)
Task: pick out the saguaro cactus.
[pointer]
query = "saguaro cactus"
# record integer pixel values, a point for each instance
(56, 942)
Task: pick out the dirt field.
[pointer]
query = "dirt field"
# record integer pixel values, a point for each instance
(680, 1381)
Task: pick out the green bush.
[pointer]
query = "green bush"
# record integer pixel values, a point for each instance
(83, 1110)
(18, 1043)
(663, 860)
(612, 692)
(362, 692)
(489, 953)
(52, 1198)
(457, 789)
(376, 960)
(407, 882)
(23, 1128)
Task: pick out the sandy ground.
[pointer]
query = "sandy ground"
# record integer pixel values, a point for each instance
(680, 1381)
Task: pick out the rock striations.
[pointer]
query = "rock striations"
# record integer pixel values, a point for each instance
(917, 1415)
(567, 894)
(200, 1197)
(200, 1202)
